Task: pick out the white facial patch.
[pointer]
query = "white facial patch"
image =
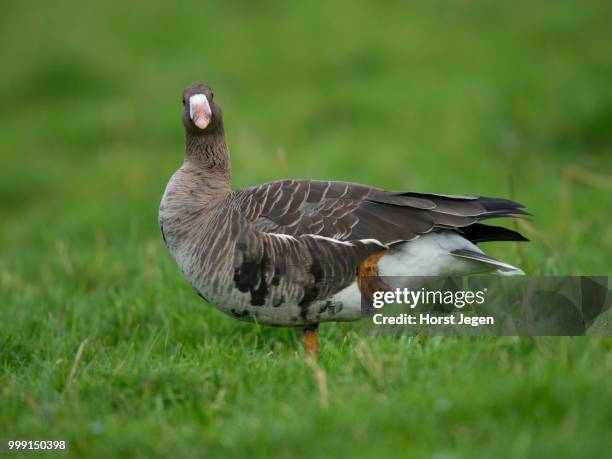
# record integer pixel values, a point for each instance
(196, 100)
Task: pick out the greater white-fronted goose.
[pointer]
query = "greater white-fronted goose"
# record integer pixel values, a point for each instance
(301, 252)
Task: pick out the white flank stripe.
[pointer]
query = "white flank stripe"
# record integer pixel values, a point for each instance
(373, 241)
(316, 236)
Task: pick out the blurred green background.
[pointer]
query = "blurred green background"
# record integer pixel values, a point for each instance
(510, 99)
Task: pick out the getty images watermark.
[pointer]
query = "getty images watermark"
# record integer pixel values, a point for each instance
(488, 305)
(413, 298)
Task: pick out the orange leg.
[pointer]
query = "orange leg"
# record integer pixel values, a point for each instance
(311, 342)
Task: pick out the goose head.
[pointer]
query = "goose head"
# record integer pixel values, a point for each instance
(201, 115)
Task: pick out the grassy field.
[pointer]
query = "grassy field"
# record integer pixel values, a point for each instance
(104, 344)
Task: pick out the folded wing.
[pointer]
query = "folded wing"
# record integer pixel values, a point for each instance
(348, 212)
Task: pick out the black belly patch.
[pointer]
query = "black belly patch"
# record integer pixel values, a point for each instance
(279, 271)
(311, 291)
(250, 277)
(329, 306)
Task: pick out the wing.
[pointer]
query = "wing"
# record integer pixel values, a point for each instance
(349, 212)
(276, 269)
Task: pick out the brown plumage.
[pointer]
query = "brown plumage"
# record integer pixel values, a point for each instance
(289, 252)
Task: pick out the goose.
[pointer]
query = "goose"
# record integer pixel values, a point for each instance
(296, 253)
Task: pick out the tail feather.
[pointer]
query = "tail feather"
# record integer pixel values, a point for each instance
(503, 267)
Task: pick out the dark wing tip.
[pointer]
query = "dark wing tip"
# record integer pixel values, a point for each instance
(479, 232)
(499, 203)
(500, 207)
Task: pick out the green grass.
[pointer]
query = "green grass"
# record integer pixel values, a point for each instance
(461, 97)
